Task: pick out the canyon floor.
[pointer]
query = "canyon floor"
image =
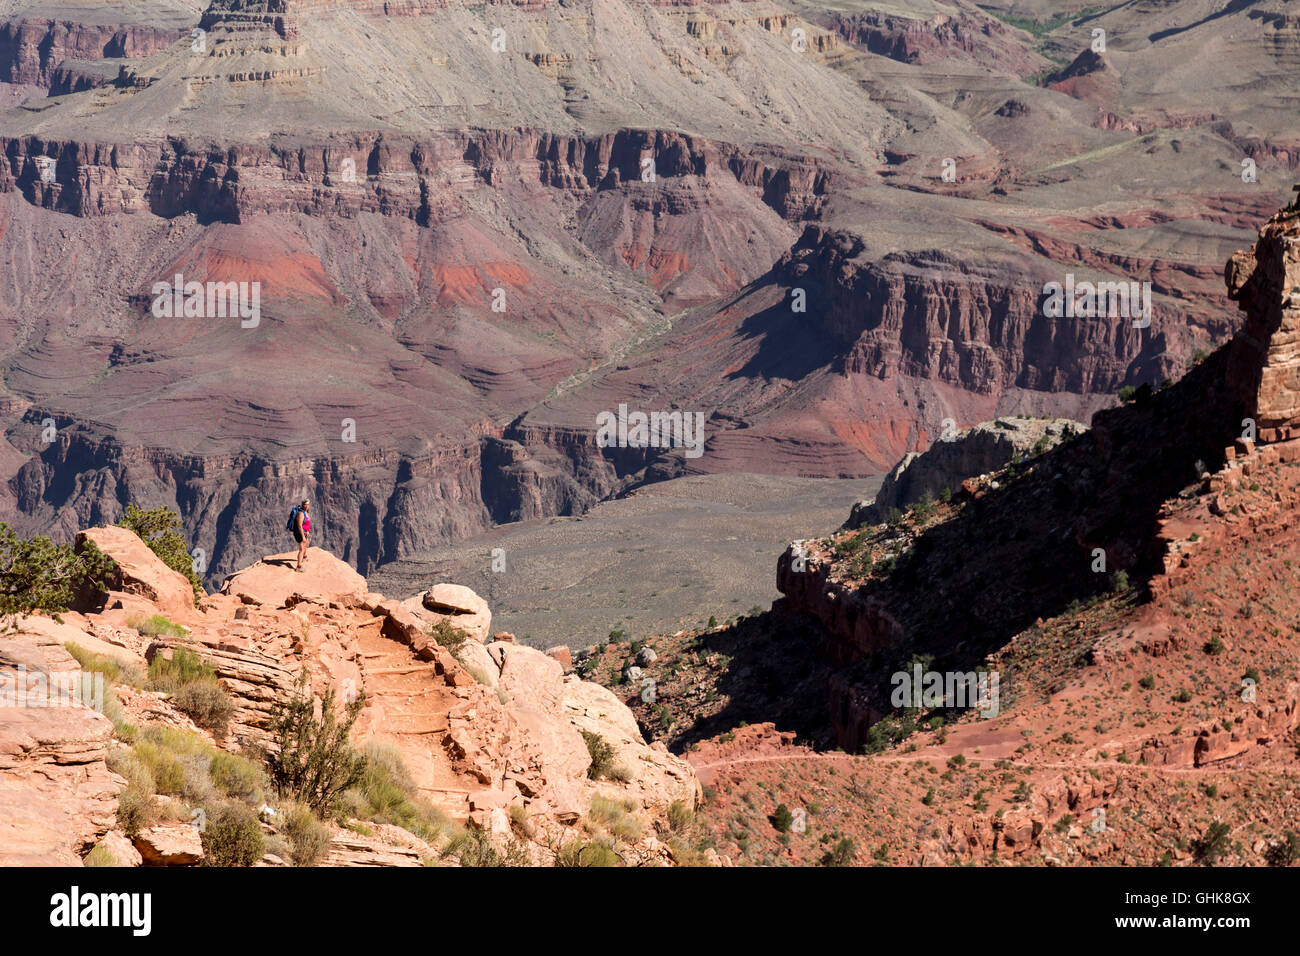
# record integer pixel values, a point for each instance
(668, 555)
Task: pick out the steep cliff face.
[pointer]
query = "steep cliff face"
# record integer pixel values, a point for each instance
(980, 325)
(937, 32)
(1265, 282)
(31, 51)
(392, 175)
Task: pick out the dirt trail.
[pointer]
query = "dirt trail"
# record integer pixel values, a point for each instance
(410, 701)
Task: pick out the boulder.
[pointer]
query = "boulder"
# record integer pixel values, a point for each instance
(655, 777)
(141, 573)
(170, 844)
(474, 656)
(561, 653)
(647, 656)
(273, 582)
(458, 606)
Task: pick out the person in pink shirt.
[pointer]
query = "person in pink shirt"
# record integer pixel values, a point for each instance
(300, 524)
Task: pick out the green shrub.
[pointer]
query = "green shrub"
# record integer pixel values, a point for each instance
(99, 855)
(155, 625)
(387, 794)
(587, 853)
(232, 836)
(601, 753)
(616, 818)
(159, 528)
(475, 848)
(208, 704)
(842, 854)
(1213, 843)
(310, 758)
(114, 672)
(309, 839)
(1285, 851)
(37, 575)
(167, 772)
(782, 818)
(236, 776)
(185, 667)
(448, 636)
(680, 817)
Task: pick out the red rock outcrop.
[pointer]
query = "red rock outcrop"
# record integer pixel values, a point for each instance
(32, 50)
(1265, 282)
(57, 795)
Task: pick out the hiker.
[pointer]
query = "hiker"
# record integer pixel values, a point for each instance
(300, 525)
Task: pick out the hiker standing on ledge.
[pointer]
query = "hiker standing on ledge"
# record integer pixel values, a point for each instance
(300, 525)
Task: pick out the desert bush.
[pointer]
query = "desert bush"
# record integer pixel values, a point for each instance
(185, 667)
(114, 671)
(166, 770)
(842, 854)
(387, 794)
(156, 625)
(236, 776)
(519, 821)
(782, 818)
(135, 804)
(159, 528)
(99, 855)
(208, 704)
(601, 753)
(232, 836)
(448, 636)
(578, 852)
(1213, 843)
(309, 839)
(476, 848)
(680, 817)
(1285, 851)
(310, 758)
(38, 575)
(615, 817)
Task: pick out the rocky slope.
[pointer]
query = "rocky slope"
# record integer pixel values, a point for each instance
(490, 731)
(1127, 593)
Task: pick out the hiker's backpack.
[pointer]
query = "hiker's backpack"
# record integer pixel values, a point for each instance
(292, 515)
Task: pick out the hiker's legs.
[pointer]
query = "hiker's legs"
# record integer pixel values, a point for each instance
(302, 550)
